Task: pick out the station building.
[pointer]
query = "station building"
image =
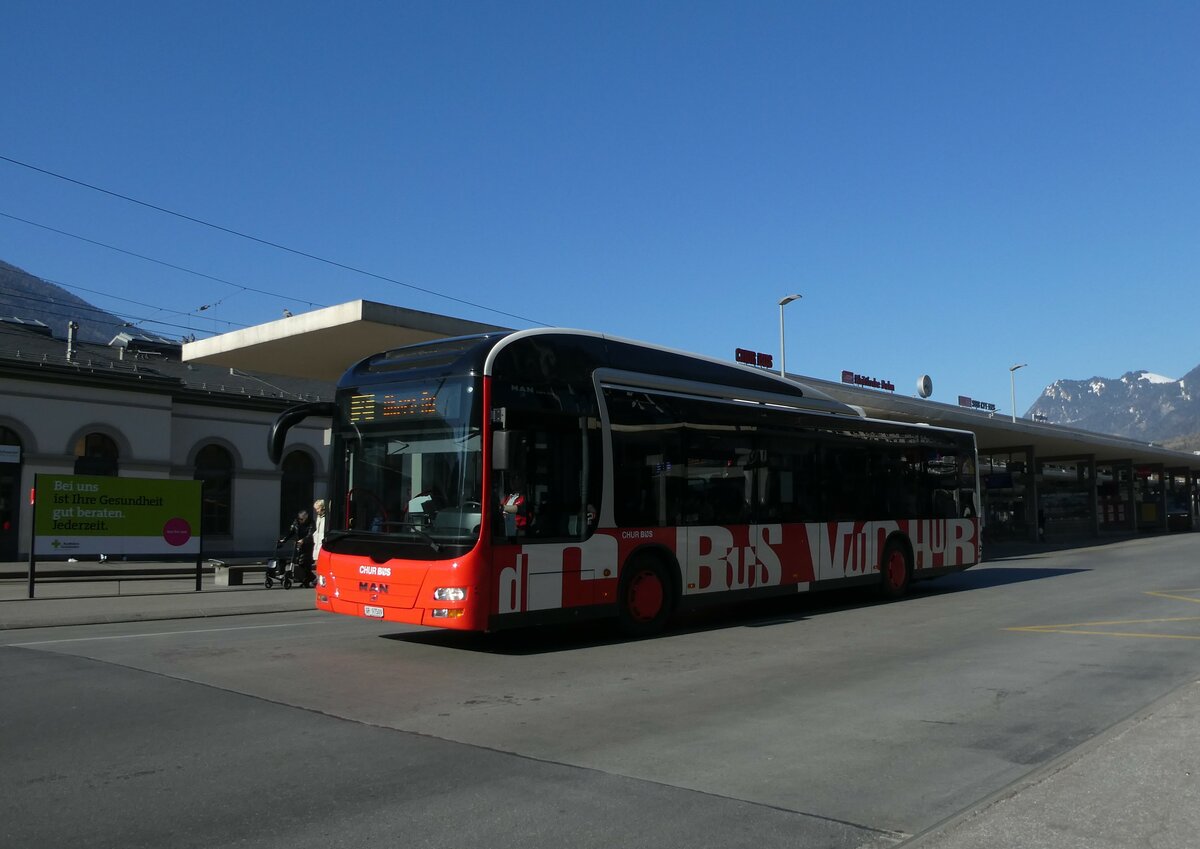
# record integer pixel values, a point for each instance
(146, 407)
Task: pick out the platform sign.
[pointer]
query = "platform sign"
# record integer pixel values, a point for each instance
(87, 515)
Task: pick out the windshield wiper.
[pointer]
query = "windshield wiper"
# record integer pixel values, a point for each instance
(416, 528)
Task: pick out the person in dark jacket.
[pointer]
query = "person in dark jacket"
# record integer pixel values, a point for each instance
(302, 532)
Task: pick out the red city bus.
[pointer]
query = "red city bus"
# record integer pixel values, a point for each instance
(544, 475)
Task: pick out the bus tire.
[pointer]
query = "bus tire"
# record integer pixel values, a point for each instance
(895, 570)
(646, 596)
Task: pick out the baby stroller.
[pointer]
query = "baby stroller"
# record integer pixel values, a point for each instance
(281, 570)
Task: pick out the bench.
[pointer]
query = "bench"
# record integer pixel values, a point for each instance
(117, 573)
(234, 574)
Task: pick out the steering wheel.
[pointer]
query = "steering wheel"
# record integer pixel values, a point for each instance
(368, 494)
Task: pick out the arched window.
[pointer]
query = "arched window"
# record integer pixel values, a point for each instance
(214, 469)
(10, 492)
(295, 487)
(96, 454)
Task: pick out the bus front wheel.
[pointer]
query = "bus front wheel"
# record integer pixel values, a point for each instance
(646, 597)
(895, 571)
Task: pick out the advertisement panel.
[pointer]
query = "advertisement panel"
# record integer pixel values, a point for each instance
(84, 515)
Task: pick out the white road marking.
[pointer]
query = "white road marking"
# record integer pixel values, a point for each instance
(157, 634)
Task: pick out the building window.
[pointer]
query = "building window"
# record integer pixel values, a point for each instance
(96, 454)
(214, 469)
(295, 487)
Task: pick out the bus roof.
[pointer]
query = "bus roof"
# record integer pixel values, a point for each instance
(562, 353)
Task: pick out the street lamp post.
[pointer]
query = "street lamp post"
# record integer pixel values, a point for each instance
(1012, 386)
(783, 302)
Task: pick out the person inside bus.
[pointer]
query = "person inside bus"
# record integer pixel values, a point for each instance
(301, 531)
(516, 508)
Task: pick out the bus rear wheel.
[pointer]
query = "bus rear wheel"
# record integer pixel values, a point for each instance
(646, 597)
(895, 571)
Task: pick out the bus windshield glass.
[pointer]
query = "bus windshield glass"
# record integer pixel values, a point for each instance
(408, 464)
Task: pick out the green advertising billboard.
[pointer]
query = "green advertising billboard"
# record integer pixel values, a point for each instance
(77, 514)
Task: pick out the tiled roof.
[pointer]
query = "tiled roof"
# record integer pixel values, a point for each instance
(24, 346)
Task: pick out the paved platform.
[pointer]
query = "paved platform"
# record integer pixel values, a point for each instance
(1136, 784)
(120, 599)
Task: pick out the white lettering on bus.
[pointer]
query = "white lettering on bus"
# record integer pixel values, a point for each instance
(929, 544)
(511, 592)
(768, 558)
(963, 542)
(715, 562)
(382, 571)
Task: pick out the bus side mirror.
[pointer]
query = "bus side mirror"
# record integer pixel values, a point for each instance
(501, 450)
(290, 418)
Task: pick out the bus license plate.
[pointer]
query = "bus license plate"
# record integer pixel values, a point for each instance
(368, 610)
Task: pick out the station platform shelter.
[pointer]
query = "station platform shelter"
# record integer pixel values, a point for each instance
(1038, 481)
(1042, 481)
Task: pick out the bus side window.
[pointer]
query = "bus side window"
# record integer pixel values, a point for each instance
(648, 489)
(790, 492)
(844, 467)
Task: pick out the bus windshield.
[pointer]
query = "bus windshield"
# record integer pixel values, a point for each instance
(407, 457)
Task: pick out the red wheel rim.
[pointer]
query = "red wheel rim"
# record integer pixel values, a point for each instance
(645, 596)
(896, 568)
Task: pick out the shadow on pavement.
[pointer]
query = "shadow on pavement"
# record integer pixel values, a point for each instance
(764, 613)
(982, 576)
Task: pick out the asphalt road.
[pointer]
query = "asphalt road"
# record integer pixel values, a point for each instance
(823, 721)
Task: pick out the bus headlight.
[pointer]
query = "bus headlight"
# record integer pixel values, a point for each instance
(320, 580)
(450, 594)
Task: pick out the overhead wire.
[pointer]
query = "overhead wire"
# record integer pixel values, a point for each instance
(193, 313)
(266, 242)
(104, 316)
(239, 286)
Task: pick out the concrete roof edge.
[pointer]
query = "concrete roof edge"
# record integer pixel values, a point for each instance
(432, 322)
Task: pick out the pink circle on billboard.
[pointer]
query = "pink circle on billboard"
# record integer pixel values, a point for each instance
(177, 531)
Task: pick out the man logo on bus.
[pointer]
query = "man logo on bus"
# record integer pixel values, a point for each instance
(368, 587)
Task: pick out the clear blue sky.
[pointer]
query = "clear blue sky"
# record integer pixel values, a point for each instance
(953, 187)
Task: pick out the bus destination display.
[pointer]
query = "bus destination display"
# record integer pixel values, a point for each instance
(379, 406)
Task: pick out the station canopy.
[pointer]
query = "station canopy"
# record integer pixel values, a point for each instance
(996, 433)
(322, 344)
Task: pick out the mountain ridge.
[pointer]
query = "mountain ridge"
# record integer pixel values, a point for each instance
(28, 297)
(1139, 405)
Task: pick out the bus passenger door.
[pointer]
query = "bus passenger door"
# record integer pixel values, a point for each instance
(547, 497)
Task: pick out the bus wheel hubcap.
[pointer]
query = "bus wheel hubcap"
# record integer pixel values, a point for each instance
(645, 596)
(896, 569)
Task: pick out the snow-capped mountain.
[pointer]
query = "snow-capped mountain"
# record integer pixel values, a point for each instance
(1139, 405)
